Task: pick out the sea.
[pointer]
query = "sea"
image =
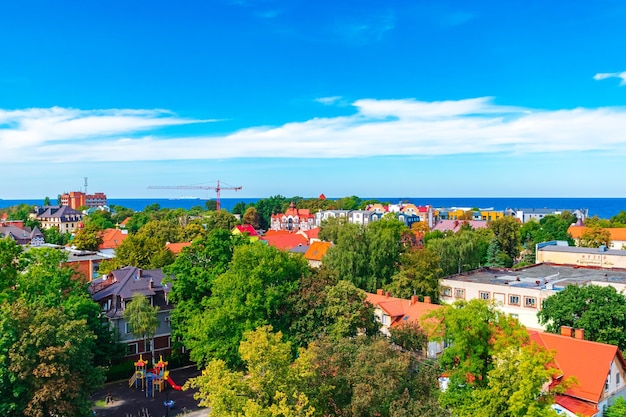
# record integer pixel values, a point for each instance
(602, 207)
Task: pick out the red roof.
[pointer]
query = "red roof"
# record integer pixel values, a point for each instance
(572, 359)
(246, 228)
(176, 248)
(112, 238)
(283, 239)
(578, 407)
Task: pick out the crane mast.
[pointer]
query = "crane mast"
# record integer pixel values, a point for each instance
(218, 188)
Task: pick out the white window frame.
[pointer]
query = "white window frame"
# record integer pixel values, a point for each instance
(519, 300)
(484, 295)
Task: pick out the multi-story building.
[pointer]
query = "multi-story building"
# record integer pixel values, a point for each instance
(521, 292)
(114, 291)
(293, 219)
(560, 253)
(527, 214)
(76, 199)
(461, 213)
(65, 218)
(22, 235)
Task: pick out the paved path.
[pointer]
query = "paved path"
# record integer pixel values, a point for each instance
(131, 402)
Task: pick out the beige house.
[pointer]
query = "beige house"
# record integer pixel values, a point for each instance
(64, 218)
(558, 252)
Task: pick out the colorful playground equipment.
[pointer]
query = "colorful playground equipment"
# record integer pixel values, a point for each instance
(151, 380)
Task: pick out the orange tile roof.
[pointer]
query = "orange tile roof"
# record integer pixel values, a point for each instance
(317, 250)
(617, 233)
(112, 238)
(283, 239)
(399, 308)
(313, 233)
(176, 248)
(570, 360)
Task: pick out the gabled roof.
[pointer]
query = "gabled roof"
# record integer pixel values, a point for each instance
(126, 282)
(283, 239)
(64, 213)
(112, 238)
(176, 248)
(401, 310)
(573, 360)
(245, 228)
(617, 233)
(317, 250)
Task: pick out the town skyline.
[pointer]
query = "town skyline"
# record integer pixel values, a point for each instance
(439, 100)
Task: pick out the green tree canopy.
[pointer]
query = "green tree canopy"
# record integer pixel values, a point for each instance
(88, 238)
(142, 318)
(600, 311)
(419, 274)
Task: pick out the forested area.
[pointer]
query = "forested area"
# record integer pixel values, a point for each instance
(275, 337)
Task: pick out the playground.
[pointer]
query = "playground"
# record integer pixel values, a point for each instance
(151, 391)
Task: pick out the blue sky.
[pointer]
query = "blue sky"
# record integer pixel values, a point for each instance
(372, 98)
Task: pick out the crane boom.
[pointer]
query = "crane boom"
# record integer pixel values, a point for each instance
(217, 189)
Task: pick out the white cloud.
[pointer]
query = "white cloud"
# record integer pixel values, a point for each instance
(376, 128)
(605, 75)
(328, 100)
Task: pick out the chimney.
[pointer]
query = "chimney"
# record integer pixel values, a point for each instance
(380, 292)
(387, 294)
(566, 331)
(414, 299)
(151, 284)
(579, 334)
(427, 299)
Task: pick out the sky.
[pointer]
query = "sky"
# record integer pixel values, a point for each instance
(370, 98)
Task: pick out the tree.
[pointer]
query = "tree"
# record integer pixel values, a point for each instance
(221, 220)
(600, 311)
(347, 313)
(142, 319)
(9, 267)
(252, 292)
(46, 366)
(54, 237)
(507, 232)
(419, 274)
(140, 251)
(516, 383)
(164, 230)
(46, 201)
(101, 219)
(88, 238)
(268, 206)
(270, 387)
(239, 208)
(409, 336)
(475, 331)
(251, 217)
(618, 408)
(594, 237)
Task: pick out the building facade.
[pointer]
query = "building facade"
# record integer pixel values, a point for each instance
(76, 199)
(64, 218)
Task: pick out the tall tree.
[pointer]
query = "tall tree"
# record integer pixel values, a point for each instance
(251, 217)
(46, 366)
(142, 319)
(254, 291)
(600, 311)
(594, 237)
(419, 274)
(507, 232)
(88, 238)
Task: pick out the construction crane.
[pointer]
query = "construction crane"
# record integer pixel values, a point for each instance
(217, 189)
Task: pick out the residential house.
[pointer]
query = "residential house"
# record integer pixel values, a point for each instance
(598, 368)
(65, 218)
(293, 219)
(391, 312)
(560, 253)
(461, 213)
(283, 239)
(527, 214)
(111, 239)
(114, 291)
(246, 229)
(618, 235)
(177, 247)
(316, 252)
(520, 292)
(22, 235)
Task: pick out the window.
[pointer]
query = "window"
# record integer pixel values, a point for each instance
(384, 319)
(530, 302)
(132, 348)
(515, 316)
(483, 295)
(617, 379)
(126, 327)
(459, 293)
(514, 300)
(148, 346)
(446, 292)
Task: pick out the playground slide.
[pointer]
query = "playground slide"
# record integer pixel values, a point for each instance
(173, 384)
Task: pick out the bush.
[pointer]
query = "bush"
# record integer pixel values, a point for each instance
(123, 370)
